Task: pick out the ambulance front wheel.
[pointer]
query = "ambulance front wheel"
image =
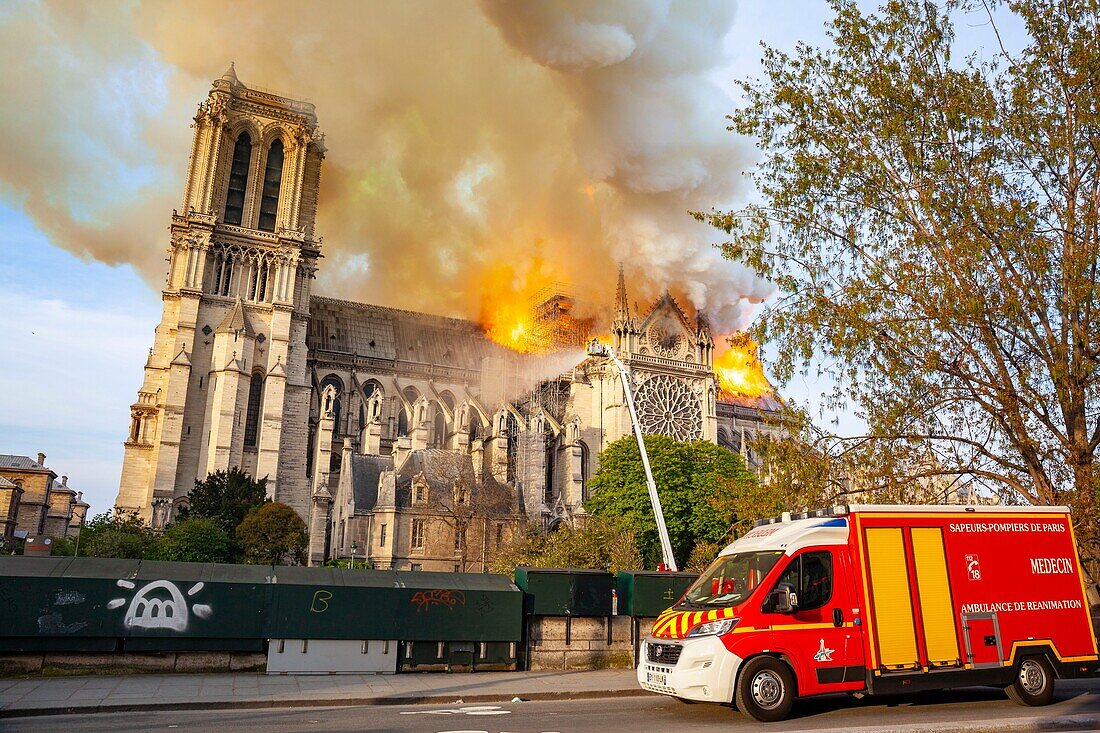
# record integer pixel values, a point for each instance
(1034, 683)
(765, 689)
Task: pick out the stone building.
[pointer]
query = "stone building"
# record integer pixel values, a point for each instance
(225, 383)
(33, 503)
(349, 409)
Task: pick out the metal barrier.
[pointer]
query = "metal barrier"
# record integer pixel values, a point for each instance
(93, 604)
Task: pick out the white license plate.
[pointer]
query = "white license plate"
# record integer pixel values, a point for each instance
(656, 679)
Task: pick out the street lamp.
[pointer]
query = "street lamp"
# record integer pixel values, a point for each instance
(595, 348)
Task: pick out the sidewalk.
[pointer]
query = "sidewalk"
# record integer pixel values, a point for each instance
(60, 695)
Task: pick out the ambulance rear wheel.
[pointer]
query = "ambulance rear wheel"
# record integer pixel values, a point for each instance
(765, 690)
(1034, 683)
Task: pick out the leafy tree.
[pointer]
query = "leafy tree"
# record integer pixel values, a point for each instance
(348, 564)
(702, 556)
(932, 222)
(119, 533)
(226, 497)
(595, 543)
(699, 484)
(272, 533)
(195, 539)
(63, 546)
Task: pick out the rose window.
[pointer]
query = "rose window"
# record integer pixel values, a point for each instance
(666, 406)
(666, 342)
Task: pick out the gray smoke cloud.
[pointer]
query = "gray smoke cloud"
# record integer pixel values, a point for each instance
(473, 149)
(652, 129)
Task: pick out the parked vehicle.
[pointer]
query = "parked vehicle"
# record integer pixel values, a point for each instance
(879, 599)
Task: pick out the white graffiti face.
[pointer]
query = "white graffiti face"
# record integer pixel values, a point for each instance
(160, 605)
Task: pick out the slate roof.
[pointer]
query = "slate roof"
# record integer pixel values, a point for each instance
(5, 484)
(379, 332)
(365, 472)
(769, 402)
(56, 485)
(441, 469)
(20, 462)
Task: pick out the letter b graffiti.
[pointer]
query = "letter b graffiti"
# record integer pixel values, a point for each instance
(320, 601)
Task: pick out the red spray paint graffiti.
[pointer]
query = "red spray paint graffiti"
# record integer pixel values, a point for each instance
(426, 599)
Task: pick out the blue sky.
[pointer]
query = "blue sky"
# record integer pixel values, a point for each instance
(79, 330)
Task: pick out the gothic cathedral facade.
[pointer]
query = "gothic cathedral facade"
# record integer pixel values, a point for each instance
(236, 308)
(374, 423)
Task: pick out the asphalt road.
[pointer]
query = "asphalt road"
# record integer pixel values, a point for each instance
(970, 709)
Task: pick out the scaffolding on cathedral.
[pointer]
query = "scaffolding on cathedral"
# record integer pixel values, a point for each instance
(554, 327)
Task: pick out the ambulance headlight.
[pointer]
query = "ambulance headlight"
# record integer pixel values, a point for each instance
(714, 628)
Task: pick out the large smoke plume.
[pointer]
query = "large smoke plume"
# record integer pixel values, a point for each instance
(470, 146)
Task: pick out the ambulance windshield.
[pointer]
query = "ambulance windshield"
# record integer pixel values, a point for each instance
(731, 578)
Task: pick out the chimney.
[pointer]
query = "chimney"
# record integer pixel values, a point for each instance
(65, 481)
(41, 459)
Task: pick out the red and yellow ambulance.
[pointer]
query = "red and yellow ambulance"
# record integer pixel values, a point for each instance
(879, 599)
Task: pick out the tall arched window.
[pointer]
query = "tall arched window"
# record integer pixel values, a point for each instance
(476, 426)
(584, 470)
(732, 443)
(511, 430)
(339, 387)
(448, 400)
(258, 277)
(273, 177)
(550, 444)
(238, 179)
(255, 400)
(439, 429)
(402, 423)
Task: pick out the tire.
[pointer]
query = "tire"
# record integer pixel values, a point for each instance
(1034, 683)
(765, 689)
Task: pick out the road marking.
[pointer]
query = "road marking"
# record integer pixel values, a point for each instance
(470, 710)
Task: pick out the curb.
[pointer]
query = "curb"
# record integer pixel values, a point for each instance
(1069, 723)
(316, 702)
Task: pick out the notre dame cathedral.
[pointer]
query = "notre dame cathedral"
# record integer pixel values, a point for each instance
(409, 440)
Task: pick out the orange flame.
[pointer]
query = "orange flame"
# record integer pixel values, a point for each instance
(506, 313)
(739, 371)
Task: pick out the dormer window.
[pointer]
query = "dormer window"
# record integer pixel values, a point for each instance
(273, 178)
(238, 179)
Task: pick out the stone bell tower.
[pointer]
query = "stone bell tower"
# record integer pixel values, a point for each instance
(225, 383)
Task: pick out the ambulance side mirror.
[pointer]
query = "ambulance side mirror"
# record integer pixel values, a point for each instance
(781, 600)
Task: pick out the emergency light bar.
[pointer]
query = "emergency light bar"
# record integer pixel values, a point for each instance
(840, 510)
